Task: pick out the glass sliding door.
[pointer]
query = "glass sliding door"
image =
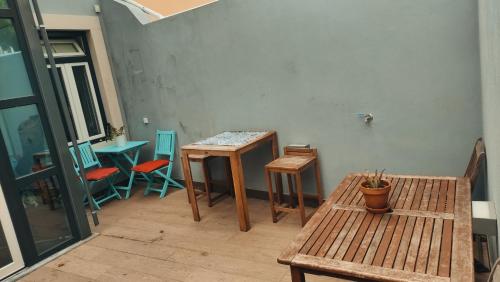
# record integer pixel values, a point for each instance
(10, 254)
(35, 183)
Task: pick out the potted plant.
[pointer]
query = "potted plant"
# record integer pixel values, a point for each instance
(376, 192)
(118, 135)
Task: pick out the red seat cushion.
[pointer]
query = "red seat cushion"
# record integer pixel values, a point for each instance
(101, 173)
(150, 166)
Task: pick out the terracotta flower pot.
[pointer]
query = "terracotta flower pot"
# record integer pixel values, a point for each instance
(376, 199)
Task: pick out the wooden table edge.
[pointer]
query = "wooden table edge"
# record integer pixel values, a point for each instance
(99, 150)
(363, 271)
(461, 271)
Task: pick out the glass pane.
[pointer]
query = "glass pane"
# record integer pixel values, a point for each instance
(64, 47)
(5, 257)
(23, 134)
(66, 131)
(13, 74)
(86, 99)
(3, 4)
(46, 213)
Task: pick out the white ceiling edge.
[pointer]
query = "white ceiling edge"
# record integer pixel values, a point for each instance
(141, 13)
(145, 15)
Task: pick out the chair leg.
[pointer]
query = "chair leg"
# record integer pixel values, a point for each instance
(207, 182)
(115, 192)
(164, 189)
(167, 181)
(300, 195)
(290, 190)
(150, 183)
(131, 182)
(271, 194)
(175, 183)
(96, 205)
(319, 186)
(113, 188)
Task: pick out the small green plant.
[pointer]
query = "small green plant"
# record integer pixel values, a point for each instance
(375, 180)
(114, 132)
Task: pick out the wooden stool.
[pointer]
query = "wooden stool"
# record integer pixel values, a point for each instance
(208, 181)
(293, 163)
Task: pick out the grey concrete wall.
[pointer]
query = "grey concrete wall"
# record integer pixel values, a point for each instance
(305, 71)
(68, 7)
(490, 68)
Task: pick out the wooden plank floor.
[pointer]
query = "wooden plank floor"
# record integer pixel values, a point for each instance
(148, 239)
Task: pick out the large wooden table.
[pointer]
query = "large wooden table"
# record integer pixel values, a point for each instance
(427, 237)
(233, 152)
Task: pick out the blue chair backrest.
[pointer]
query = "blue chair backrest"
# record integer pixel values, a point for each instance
(89, 158)
(165, 144)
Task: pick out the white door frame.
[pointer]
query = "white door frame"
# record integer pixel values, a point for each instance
(10, 235)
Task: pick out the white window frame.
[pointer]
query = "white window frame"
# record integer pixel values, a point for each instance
(79, 53)
(12, 243)
(75, 103)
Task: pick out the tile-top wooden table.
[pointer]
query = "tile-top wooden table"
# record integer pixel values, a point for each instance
(427, 237)
(231, 145)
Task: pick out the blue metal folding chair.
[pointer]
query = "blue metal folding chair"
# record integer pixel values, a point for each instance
(164, 147)
(95, 172)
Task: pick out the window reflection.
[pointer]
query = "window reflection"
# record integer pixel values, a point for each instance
(3, 4)
(46, 213)
(15, 81)
(24, 138)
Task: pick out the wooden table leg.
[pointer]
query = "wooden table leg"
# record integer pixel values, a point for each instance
(239, 191)
(277, 179)
(300, 196)
(188, 178)
(297, 275)
(319, 186)
(229, 177)
(208, 181)
(271, 193)
(290, 190)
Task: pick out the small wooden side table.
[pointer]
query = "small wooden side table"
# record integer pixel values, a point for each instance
(293, 163)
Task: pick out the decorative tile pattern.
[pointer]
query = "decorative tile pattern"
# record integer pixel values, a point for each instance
(232, 138)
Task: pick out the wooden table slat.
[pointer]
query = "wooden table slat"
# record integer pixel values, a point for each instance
(445, 255)
(385, 241)
(425, 244)
(434, 196)
(350, 192)
(424, 203)
(443, 191)
(411, 256)
(433, 263)
(344, 214)
(399, 203)
(337, 232)
(375, 242)
(396, 191)
(332, 214)
(344, 239)
(395, 242)
(417, 199)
